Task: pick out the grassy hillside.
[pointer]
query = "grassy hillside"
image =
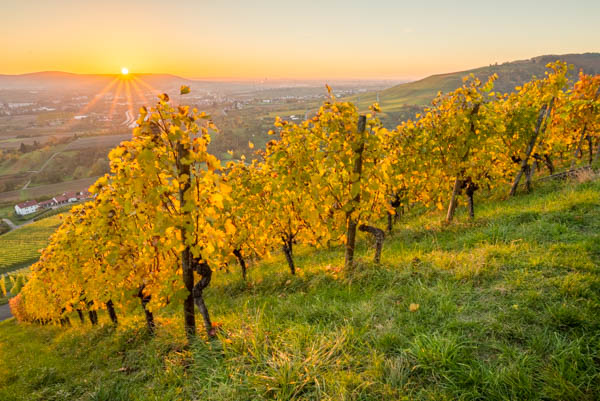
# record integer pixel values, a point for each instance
(505, 307)
(401, 99)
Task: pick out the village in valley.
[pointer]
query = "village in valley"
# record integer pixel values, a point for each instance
(32, 206)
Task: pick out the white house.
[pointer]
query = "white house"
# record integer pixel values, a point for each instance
(26, 207)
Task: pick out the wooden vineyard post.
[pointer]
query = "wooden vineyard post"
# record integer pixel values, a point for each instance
(356, 171)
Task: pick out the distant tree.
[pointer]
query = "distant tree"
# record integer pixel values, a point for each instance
(100, 167)
(80, 172)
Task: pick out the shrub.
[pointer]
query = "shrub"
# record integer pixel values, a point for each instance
(17, 308)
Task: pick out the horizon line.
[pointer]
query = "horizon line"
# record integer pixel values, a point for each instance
(400, 79)
(224, 78)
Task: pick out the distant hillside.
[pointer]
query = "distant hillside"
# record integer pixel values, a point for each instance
(401, 101)
(85, 83)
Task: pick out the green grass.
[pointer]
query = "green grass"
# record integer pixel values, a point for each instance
(509, 309)
(4, 228)
(7, 211)
(20, 247)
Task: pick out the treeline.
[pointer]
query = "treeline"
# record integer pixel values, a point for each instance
(53, 141)
(169, 214)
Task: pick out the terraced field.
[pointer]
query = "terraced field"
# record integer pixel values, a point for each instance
(20, 247)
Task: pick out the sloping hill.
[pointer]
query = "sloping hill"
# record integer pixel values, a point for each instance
(406, 98)
(503, 308)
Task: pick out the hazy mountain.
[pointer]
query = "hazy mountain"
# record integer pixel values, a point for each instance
(93, 83)
(57, 80)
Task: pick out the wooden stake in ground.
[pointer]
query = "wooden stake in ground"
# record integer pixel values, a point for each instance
(577, 152)
(544, 113)
(453, 200)
(357, 170)
(458, 181)
(187, 271)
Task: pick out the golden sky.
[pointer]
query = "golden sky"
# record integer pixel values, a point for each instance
(287, 39)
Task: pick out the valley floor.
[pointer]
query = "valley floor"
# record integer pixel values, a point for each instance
(506, 307)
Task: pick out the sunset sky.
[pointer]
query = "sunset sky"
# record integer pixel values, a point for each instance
(285, 39)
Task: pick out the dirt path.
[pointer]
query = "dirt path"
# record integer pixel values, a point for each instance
(40, 170)
(10, 224)
(14, 227)
(5, 312)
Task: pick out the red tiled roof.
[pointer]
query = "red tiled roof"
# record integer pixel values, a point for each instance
(71, 194)
(27, 204)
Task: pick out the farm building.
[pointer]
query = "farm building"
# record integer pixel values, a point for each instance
(26, 207)
(32, 206)
(61, 200)
(76, 196)
(47, 203)
(72, 196)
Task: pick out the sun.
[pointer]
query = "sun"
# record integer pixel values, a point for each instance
(124, 71)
